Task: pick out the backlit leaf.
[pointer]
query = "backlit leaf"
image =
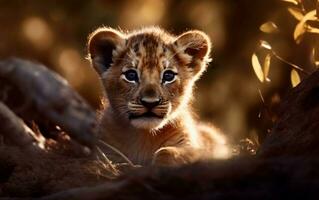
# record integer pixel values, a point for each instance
(292, 1)
(266, 66)
(311, 29)
(296, 13)
(265, 44)
(294, 78)
(311, 15)
(301, 27)
(299, 32)
(269, 27)
(314, 57)
(257, 67)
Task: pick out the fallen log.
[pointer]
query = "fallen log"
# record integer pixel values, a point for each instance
(14, 129)
(41, 94)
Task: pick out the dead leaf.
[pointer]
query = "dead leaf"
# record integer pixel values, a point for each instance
(311, 29)
(269, 27)
(265, 44)
(291, 1)
(296, 13)
(266, 67)
(294, 78)
(257, 67)
(314, 57)
(301, 27)
(310, 16)
(299, 32)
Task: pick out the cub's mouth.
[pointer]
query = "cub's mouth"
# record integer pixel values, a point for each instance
(148, 114)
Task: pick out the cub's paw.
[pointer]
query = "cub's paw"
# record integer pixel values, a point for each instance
(168, 156)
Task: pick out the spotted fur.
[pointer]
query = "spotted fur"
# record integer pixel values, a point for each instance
(148, 117)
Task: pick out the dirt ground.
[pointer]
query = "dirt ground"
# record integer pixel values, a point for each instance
(25, 175)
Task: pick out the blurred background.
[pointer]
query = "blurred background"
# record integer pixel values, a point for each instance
(55, 33)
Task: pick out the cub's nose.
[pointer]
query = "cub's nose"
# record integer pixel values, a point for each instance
(150, 103)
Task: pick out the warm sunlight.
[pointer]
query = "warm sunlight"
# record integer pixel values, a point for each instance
(159, 99)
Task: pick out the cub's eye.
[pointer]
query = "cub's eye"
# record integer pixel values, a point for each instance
(169, 76)
(131, 75)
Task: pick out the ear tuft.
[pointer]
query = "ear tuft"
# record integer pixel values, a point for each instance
(101, 46)
(195, 43)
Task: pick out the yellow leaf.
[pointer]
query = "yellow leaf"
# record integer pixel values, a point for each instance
(296, 13)
(269, 27)
(299, 32)
(314, 57)
(294, 78)
(311, 15)
(257, 67)
(291, 1)
(266, 66)
(301, 27)
(311, 29)
(265, 44)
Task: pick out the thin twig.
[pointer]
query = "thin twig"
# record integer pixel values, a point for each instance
(115, 171)
(118, 152)
(302, 7)
(291, 64)
(261, 96)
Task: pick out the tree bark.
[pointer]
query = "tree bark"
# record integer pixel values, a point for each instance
(13, 128)
(34, 92)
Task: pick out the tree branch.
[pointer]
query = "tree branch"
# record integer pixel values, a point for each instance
(48, 96)
(13, 128)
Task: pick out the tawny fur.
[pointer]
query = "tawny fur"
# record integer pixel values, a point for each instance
(172, 136)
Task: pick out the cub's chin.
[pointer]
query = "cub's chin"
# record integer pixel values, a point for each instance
(147, 121)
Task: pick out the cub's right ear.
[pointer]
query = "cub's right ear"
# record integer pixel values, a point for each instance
(103, 45)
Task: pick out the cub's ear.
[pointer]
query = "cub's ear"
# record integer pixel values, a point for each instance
(196, 45)
(103, 45)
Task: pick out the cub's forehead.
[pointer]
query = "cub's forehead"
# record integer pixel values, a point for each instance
(149, 50)
(148, 45)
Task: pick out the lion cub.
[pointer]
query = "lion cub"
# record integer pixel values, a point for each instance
(148, 76)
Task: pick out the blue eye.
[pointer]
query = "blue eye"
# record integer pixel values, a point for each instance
(169, 76)
(131, 75)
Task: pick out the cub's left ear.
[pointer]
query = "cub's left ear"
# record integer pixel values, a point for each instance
(103, 45)
(197, 45)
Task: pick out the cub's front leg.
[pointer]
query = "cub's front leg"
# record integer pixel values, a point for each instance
(173, 156)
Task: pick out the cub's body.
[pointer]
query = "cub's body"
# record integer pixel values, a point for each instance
(148, 76)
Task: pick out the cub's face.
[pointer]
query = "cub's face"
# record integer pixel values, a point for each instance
(148, 75)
